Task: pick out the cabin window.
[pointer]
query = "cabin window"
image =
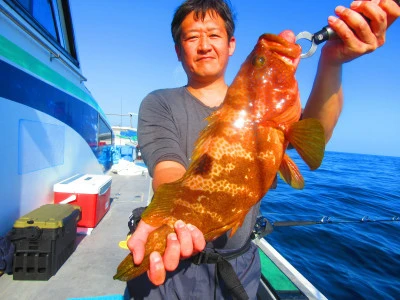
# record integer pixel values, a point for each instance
(105, 133)
(43, 12)
(51, 18)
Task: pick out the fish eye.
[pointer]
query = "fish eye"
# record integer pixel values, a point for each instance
(258, 61)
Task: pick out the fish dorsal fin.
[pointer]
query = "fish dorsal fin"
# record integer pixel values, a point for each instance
(308, 138)
(290, 173)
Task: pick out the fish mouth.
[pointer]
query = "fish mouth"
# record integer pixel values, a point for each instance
(280, 45)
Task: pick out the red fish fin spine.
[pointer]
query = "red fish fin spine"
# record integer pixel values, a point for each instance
(157, 241)
(308, 138)
(290, 173)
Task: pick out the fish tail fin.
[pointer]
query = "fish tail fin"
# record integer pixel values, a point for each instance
(308, 138)
(157, 241)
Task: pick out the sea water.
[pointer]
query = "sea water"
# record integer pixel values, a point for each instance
(356, 260)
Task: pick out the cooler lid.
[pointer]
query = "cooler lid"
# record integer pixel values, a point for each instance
(49, 216)
(84, 184)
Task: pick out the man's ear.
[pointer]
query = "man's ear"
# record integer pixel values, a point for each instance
(232, 45)
(178, 51)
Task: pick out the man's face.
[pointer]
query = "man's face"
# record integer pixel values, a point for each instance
(205, 49)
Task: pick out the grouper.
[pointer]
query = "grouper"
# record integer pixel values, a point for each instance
(239, 153)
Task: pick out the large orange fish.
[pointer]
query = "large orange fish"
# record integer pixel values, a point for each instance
(239, 153)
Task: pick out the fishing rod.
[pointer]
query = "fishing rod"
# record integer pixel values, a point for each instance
(329, 220)
(264, 227)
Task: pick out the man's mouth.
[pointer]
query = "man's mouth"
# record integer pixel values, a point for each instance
(205, 58)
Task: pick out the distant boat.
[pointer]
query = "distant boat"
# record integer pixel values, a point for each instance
(51, 127)
(125, 136)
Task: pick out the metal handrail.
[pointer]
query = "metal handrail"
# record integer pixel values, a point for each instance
(53, 54)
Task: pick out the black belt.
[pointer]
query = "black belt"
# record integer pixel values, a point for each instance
(225, 270)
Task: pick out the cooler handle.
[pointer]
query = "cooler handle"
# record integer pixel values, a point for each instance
(104, 188)
(68, 200)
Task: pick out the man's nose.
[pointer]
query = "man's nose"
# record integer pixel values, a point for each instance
(204, 43)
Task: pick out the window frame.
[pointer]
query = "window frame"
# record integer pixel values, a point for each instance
(101, 119)
(61, 15)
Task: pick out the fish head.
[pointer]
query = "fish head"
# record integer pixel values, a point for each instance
(268, 88)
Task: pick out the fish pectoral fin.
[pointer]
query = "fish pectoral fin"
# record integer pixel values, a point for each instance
(235, 228)
(308, 138)
(274, 183)
(217, 232)
(290, 173)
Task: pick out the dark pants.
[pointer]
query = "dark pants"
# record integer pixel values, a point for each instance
(192, 281)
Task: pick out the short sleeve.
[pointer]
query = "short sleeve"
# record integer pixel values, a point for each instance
(158, 133)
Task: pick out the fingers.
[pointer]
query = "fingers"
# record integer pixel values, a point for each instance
(355, 31)
(361, 29)
(185, 239)
(199, 243)
(392, 10)
(156, 272)
(377, 21)
(191, 239)
(288, 35)
(172, 253)
(136, 243)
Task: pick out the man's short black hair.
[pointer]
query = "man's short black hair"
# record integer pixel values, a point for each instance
(200, 9)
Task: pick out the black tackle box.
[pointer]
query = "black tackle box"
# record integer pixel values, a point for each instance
(44, 239)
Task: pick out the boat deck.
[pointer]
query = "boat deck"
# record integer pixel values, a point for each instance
(89, 270)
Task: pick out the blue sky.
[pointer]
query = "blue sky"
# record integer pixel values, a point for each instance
(126, 51)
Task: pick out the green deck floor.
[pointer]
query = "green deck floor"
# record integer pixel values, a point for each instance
(278, 280)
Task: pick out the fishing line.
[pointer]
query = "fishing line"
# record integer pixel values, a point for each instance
(263, 227)
(330, 220)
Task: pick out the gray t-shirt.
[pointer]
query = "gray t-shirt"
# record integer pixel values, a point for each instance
(170, 121)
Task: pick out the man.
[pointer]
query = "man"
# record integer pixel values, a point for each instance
(170, 120)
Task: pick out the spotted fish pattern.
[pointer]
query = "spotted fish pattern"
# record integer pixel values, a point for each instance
(239, 153)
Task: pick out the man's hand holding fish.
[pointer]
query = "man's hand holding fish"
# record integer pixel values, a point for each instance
(186, 241)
